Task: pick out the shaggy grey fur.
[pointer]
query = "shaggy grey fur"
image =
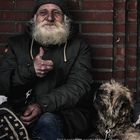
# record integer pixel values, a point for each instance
(114, 104)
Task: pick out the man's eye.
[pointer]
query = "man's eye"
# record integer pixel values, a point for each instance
(42, 13)
(57, 13)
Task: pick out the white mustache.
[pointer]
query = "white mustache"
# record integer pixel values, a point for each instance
(48, 24)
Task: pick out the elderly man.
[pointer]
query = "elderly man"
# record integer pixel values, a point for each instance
(45, 74)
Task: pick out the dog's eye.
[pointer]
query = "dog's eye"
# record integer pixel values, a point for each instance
(111, 94)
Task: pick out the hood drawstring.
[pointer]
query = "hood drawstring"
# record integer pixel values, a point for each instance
(65, 57)
(31, 50)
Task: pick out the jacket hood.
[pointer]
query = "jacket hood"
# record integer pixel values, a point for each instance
(61, 3)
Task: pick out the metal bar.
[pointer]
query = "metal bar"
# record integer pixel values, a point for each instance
(138, 52)
(126, 39)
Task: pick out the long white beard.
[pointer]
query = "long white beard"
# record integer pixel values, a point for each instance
(56, 33)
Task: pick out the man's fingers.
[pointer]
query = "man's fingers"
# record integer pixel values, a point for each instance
(42, 67)
(30, 117)
(29, 120)
(41, 52)
(48, 62)
(43, 70)
(26, 123)
(46, 66)
(28, 111)
(34, 110)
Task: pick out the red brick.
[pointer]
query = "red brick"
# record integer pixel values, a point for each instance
(131, 84)
(120, 51)
(132, 39)
(132, 28)
(119, 5)
(98, 39)
(102, 75)
(13, 15)
(120, 16)
(25, 4)
(132, 5)
(120, 28)
(20, 27)
(7, 27)
(6, 4)
(131, 73)
(22, 16)
(118, 74)
(131, 51)
(4, 15)
(119, 63)
(97, 5)
(131, 62)
(102, 52)
(93, 16)
(97, 28)
(132, 16)
(104, 64)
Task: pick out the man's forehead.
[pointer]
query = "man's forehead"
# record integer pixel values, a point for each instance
(49, 7)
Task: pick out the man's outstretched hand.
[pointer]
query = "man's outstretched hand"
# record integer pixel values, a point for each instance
(42, 67)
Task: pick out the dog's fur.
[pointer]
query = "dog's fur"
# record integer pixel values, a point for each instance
(114, 104)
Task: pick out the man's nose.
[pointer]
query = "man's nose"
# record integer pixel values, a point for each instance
(50, 17)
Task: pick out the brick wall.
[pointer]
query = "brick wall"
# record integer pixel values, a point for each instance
(109, 26)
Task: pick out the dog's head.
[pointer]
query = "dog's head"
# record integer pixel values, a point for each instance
(113, 102)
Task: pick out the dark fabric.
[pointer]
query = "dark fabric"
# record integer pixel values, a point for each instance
(62, 88)
(61, 3)
(80, 122)
(18, 111)
(77, 123)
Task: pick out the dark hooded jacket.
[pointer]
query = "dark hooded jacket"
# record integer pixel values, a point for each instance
(61, 88)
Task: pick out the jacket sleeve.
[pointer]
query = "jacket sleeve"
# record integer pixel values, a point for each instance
(14, 75)
(77, 85)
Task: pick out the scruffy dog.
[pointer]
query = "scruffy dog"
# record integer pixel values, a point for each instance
(114, 104)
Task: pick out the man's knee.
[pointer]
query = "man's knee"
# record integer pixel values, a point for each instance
(48, 119)
(49, 125)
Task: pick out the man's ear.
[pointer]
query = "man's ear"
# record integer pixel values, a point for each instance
(34, 19)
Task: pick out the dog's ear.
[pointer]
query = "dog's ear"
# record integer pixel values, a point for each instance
(96, 89)
(98, 101)
(123, 107)
(97, 95)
